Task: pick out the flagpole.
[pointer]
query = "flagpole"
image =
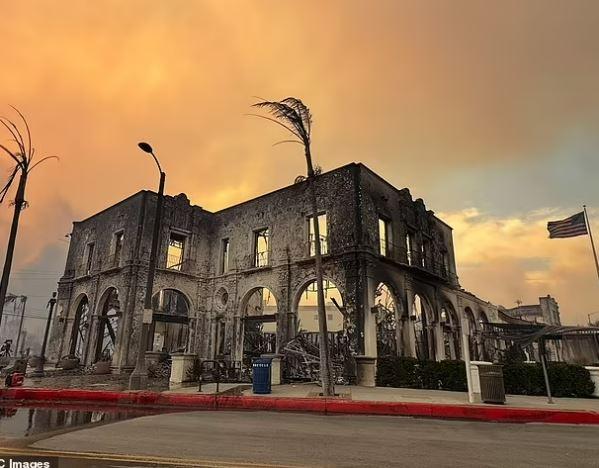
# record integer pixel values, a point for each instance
(586, 219)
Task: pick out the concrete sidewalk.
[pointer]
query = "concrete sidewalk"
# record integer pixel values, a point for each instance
(410, 395)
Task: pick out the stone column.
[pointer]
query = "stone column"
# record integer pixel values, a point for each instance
(370, 344)
(439, 341)
(182, 363)
(594, 371)
(411, 338)
(366, 366)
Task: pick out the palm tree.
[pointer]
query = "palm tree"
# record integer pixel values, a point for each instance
(293, 115)
(23, 157)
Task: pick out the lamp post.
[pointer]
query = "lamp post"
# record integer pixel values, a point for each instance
(139, 377)
(39, 370)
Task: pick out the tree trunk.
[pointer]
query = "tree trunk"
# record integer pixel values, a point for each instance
(328, 388)
(19, 201)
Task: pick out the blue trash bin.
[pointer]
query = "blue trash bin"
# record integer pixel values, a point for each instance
(261, 375)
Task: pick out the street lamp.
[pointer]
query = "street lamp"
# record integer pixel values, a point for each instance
(39, 371)
(139, 377)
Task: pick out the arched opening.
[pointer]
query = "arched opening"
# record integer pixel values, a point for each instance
(307, 340)
(307, 309)
(451, 332)
(386, 321)
(80, 329)
(422, 320)
(259, 324)
(482, 318)
(472, 332)
(108, 325)
(170, 324)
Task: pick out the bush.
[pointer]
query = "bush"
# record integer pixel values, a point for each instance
(567, 380)
(411, 373)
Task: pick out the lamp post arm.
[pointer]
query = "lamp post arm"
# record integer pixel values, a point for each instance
(157, 162)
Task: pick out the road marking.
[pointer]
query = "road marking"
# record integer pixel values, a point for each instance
(154, 460)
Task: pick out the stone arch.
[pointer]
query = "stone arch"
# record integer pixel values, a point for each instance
(388, 311)
(259, 314)
(472, 333)
(170, 325)
(451, 329)
(423, 317)
(305, 307)
(470, 319)
(482, 317)
(81, 325)
(109, 315)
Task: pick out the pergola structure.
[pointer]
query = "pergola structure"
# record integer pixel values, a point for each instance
(526, 334)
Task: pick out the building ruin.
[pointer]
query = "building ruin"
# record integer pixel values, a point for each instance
(240, 282)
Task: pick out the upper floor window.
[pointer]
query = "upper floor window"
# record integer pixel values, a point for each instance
(409, 248)
(224, 259)
(384, 236)
(175, 252)
(423, 251)
(118, 247)
(323, 235)
(261, 239)
(90, 258)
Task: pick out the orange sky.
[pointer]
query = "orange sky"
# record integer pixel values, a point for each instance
(487, 111)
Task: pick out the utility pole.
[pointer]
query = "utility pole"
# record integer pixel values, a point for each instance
(23, 302)
(39, 371)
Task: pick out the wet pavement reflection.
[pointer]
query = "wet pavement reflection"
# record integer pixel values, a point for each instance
(27, 421)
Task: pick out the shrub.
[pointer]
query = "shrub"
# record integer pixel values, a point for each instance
(411, 373)
(567, 380)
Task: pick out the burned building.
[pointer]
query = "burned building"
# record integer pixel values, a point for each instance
(240, 282)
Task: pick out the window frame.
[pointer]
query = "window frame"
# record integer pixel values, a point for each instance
(120, 234)
(255, 254)
(311, 242)
(225, 250)
(185, 239)
(386, 222)
(89, 260)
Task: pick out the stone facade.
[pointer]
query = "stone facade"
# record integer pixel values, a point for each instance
(380, 243)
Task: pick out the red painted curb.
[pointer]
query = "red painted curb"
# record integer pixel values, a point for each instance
(174, 401)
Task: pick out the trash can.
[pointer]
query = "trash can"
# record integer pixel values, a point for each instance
(492, 389)
(261, 375)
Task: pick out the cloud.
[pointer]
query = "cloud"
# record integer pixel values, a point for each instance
(504, 259)
(467, 103)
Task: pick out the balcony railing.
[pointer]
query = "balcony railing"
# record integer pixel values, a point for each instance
(176, 263)
(261, 259)
(416, 258)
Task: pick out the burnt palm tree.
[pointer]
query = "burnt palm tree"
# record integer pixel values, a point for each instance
(293, 115)
(23, 157)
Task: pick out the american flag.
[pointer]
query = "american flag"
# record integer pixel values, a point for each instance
(573, 226)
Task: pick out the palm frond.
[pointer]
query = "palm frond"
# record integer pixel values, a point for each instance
(41, 161)
(302, 110)
(28, 130)
(11, 154)
(286, 127)
(14, 131)
(8, 184)
(287, 141)
(288, 114)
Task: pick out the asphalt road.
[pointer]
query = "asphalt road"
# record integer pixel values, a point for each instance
(273, 439)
